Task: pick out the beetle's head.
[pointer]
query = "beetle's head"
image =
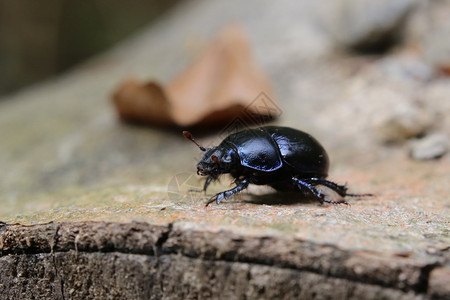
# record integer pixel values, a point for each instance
(216, 160)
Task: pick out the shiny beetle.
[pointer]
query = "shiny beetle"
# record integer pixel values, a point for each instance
(281, 157)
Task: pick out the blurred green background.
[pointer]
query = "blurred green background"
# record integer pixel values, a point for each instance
(39, 39)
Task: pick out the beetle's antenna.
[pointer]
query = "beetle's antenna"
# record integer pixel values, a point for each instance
(189, 136)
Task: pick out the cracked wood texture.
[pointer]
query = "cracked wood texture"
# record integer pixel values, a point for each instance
(92, 208)
(143, 261)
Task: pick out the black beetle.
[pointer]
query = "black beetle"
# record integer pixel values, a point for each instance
(281, 157)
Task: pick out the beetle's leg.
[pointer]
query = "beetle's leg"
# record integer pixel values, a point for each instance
(241, 185)
(310, 187)
(316, 192)
(340, 189)
(207, 182)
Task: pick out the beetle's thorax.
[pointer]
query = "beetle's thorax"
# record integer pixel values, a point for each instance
(217, 160)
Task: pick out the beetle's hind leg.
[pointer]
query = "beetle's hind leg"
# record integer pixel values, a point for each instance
(340, 189)
(241, 185)
(316, 192)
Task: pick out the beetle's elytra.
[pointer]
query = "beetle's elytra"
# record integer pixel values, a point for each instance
(281, 157)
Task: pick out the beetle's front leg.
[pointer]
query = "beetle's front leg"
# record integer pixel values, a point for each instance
(241, 185)
(207, 182)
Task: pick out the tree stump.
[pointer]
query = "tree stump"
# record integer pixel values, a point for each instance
(94, 208)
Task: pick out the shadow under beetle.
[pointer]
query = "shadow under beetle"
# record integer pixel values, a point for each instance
(281, 157)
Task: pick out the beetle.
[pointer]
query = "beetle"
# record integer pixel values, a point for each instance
(284, 158)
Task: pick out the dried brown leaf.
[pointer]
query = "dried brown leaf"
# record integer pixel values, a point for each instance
(223, 84)
(145, 103)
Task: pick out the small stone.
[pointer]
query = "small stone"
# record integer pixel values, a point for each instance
(401, 120)
(429, 147)
(405, 68)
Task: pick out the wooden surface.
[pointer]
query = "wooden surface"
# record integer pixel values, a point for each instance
(70, 260)
(110, 190)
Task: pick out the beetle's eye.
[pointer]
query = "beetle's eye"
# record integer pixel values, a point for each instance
(215, 159)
